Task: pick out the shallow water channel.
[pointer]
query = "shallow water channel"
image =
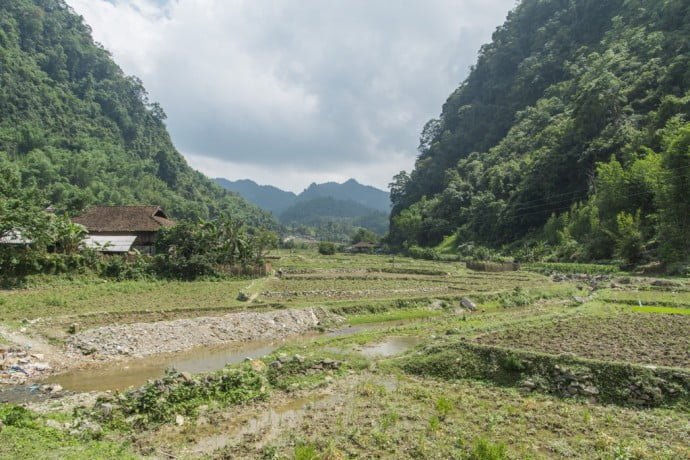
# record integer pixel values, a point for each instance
(120, 375)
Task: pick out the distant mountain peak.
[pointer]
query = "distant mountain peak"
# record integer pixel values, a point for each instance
(276, 200)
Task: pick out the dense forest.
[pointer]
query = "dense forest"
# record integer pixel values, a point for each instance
(77, 129)
(568, 140)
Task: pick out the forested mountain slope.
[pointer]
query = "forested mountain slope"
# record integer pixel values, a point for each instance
(266, 197)
(350, 190)
(84, 133)
(574, 101)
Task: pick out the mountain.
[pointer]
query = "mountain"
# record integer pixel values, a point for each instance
(266, 197)
(276, 200)
(331, 211)
(573, 116)
(351, 190)
(83, 132)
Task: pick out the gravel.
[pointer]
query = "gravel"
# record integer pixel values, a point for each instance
(143, 339)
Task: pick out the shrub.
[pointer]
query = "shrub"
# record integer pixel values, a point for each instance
(417, 252)
(326, 248)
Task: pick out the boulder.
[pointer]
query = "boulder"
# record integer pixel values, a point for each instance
(467, 304)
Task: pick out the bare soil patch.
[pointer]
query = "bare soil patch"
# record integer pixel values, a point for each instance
(657, 339)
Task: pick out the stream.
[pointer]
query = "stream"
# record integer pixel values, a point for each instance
(120, 375)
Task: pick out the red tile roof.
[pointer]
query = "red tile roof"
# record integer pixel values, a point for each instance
(124, 219)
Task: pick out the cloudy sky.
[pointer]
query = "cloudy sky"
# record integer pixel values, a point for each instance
(289, 92)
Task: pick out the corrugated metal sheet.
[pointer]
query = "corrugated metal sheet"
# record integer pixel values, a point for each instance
(110, 243)
(14, 237)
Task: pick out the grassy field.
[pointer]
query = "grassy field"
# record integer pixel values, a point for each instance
(402, 383)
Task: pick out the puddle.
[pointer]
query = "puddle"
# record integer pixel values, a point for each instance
(390, 347)
(124, 374)
(261, 429)
(21, 394)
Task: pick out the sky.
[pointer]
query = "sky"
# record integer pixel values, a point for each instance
(290, 92)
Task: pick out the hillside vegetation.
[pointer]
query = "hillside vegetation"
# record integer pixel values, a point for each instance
(74, 126)
(569, 139)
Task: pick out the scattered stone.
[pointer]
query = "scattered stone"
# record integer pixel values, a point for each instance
(186, 376)
(242, 297)
(580, 300)
(179, 420)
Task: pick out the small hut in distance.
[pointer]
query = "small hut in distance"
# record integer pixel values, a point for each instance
(363, 247)
(119, 229)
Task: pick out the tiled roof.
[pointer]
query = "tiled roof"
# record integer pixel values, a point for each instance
(124, 219)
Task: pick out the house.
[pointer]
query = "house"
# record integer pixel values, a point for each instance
(14, 238)
(363, 247)
(119, 229)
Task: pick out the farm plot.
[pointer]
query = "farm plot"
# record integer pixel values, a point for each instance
(658, 339)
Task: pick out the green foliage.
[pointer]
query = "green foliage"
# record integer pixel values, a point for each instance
(484, 449)
(84, 133)
(364, 235)
(630, 243)
(675, 212)
(417, 252)
(209, 248)
(326, 248)
(178, 394)
(556, 132)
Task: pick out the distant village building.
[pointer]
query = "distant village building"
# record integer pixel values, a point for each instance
(363, 247)
(14, 238)
(119, 229)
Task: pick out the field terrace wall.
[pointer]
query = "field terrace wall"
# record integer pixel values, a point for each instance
(564, 376)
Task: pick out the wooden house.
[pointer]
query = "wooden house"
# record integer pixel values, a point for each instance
(119, 229)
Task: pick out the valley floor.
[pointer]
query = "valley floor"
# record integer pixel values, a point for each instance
(349, 357)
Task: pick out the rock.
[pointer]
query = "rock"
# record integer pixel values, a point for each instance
(298, 358)
(179, 420)
(55, 388)
(579, 299)
(41, 366)
(664, 283)
(106, 409)
(54, 424)
(257, 365)
(529, 384)
(242, 297)
(590, 390)
(186, 377)
(276, 364)
(467, 304)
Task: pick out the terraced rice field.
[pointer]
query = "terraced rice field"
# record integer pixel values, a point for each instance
(348, 389)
